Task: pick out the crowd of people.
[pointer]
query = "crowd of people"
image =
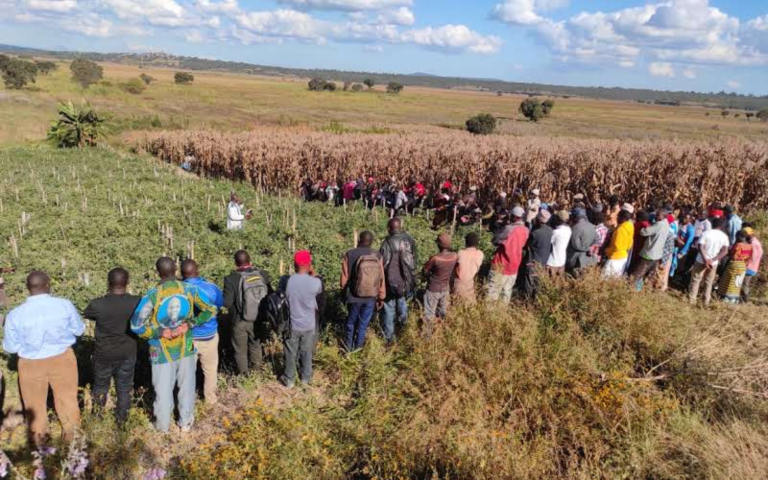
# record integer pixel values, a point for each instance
(179, 317)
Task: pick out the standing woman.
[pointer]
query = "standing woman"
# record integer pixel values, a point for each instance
(733, 278)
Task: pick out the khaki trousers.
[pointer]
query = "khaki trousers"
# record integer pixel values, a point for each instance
(60, 374)
(208, 354)
(700, 272)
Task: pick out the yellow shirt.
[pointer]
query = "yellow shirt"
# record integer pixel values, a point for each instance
(621, 241)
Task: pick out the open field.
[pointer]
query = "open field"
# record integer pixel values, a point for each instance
(237, 102)
(591, 381)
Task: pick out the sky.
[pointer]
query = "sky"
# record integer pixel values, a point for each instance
(689, 45)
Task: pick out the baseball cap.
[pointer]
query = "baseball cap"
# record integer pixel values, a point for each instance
(302, 258)
(564, 215)
(627, 207)
(749, 231)
(518, 212)
(536, 191)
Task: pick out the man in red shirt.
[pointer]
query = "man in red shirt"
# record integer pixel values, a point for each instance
(509, 255)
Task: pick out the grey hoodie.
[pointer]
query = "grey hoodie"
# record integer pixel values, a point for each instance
(657, 237)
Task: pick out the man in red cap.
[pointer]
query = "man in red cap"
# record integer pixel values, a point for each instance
(302, 290)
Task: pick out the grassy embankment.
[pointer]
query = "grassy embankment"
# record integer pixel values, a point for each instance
(240, 102)
(591, 381)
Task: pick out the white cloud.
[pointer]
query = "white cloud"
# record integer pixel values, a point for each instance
(145, 9)
(689, 73)
(373, 48)
(453, 37)
(229, 7)
(626, 63)
(659, 69)
(349, 5)
(733, 84)
(195, 36)
(685, 31)
(550, 5)
(51, 5)
(400, 16)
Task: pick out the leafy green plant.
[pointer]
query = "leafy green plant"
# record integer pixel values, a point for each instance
(395, 88)
(77, 126)
(532, 109)
(483, 124)
(85, 72)
(147, 79)
(183, 78)
(134, 86)
(18, 73)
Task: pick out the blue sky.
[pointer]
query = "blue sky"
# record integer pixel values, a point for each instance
(700, 45)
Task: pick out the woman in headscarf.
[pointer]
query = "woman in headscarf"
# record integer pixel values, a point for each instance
(736, 270)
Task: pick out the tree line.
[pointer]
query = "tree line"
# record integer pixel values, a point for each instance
(319, 84)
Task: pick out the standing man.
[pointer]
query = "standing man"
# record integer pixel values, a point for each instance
(302, 290)
(206, 336)
(653, 250)
(561, 238)
(713, 247)
(583, 238)
(41, 331)
(440, 269)
(244, 289)
(399, 254)
(509, 255)
(114, 353)
(734, 223)
(235, 216)
(362, 277)
(470, 262)
(538, 250)
(534, 205)
(165, 317)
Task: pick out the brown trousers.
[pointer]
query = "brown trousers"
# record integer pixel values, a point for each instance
(208, 354)
(60, 374)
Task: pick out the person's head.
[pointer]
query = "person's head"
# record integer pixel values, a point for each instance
(189, 269)
(365, 240)
(38, 283)
(749, 231)
(535, 193)
(624, 216)
(472, 240)
(543, 218)
(728, 210)
(395, 226)
(166, 267)
(742, 237)
(242, 259)
(561, 218)
(719, 224)
(704, 213)
(444, 242)
(598, 217)
(614, 201)
(117, 279)
(643, 216)
(661, 214)
(578, 214)
(686, 217)
(234, 198)
(518, 213)
(303, 261)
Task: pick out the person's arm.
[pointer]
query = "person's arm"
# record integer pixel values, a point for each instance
(142, 323)
(344, 271)
(11, 340)
(90, 311)
(205, 307)
(219, 300)
(382, 284)
(229, 294)
(653, 229)
(723, 253)
(428, 266)
(689, 232)
(75, 323)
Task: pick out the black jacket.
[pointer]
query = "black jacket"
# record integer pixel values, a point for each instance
(231, 285)
(390, 250)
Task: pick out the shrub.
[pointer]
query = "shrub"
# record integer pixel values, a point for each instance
(357, 87)
(134, 86)
(483, 124)
(329, 87)
(725, 113)
(85, 72)
(763, 115)
(531, 109)
(547, 106)
(146, 78)
(317, 84)
(183, 78)
(18, 73)
(45, 67)
(369, 83)
(4, 59)
(77, 126)
(395, 88)
(749, 116)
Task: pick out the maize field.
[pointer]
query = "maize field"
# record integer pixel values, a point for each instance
(688, 173)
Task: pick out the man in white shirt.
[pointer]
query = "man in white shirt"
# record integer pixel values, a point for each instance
(235, 216)
(713, 247)
(702, 225)
(561, 238)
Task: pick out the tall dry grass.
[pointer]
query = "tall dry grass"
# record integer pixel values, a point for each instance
(729, 170)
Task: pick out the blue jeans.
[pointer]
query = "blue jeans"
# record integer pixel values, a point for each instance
(393, 306)
(165, 376)
(360, 315)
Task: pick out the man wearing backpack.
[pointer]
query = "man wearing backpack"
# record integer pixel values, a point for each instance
(244, 289)
(362, 276)
(399, 254)
(206, 336)
(302, 290)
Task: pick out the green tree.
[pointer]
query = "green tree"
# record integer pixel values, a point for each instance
(749, 116)
(763, 115)
(4, 59)
(45, 67)
(146, 78)
(531, 109)
(725, 113)
(134, 86)
(77, 126)
(85, 72)
(547, 105)
(18, 73)
(357, 87)
(317, 84)
(329, 87)
(369, 83)
(483, 124)
(183, 78)
(395, 88)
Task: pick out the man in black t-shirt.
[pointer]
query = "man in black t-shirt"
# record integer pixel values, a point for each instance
(114, 353)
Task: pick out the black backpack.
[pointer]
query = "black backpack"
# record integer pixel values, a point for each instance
(251, 291)
(278, 312)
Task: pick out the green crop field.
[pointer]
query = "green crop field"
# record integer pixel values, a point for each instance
(591, 381)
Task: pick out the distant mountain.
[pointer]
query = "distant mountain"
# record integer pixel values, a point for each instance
(158, 59)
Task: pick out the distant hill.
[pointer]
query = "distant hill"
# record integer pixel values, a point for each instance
(714, 100)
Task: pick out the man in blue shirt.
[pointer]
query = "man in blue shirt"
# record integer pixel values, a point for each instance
(206, 336)
(734, 223)
(41, 331)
